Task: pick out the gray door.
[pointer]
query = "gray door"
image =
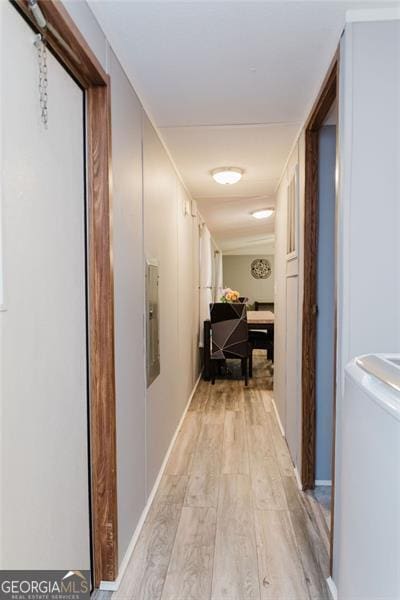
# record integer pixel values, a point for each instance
(325, 360)
(44, 446)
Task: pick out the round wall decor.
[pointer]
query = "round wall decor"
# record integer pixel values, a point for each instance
(261, 268)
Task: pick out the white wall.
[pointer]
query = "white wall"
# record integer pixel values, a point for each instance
(148, 221)
(170, 237)
(237, 275)
(369, 214)
(369, 199)
(127, 209)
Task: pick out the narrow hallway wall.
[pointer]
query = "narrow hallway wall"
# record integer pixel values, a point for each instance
(238, 276)
(153, 221)
(170, 237)
(129, 301)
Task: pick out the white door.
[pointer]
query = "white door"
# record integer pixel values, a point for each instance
(44, 448)
(292, 371)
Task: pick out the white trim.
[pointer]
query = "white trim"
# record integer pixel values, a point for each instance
(296, 474)
(326, 482)
(112, 586)
(332, 588)
(278, 417)
(371, 14)
(294, 179)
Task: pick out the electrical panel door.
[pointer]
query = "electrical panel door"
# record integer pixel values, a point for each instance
(152, 322)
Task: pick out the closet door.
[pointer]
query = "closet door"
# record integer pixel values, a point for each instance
(44, 401)
(293, 406)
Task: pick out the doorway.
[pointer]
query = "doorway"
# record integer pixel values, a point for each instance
(57, 308)
(44, 323)
(319, 305)
(326, 346)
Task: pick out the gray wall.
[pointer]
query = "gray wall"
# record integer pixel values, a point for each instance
(369, 216)
(325, 302)
(237, 275)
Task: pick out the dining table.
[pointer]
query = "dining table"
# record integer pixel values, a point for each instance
(256, 319)
(259, 319)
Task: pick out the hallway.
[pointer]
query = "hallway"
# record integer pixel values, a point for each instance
(228, 521)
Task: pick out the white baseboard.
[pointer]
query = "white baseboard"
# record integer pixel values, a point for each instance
(298, 480)
(296, 474)
(278, 417)
(112, 586)
(332, 588)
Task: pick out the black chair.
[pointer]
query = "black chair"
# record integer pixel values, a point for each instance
(264, 306)
(230, 335)
(261, 339)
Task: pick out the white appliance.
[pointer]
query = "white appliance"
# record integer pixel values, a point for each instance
(367, 496)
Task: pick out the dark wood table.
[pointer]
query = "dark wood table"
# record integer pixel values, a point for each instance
(256, 319)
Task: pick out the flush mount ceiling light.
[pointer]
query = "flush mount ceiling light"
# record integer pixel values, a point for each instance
(227, 175)
(263, 214)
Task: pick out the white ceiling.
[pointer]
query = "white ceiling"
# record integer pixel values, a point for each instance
(233, 226)
(227, 83)
(260, 149)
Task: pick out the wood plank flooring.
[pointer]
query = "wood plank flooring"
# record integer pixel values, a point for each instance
(228, 521)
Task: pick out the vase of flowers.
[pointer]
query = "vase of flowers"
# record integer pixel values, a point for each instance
(230, 295)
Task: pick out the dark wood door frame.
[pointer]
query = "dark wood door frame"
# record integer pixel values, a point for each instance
(320, 111)
(71, 49)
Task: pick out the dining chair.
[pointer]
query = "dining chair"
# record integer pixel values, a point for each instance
(261, 339)
(230, 335)
(264, 306)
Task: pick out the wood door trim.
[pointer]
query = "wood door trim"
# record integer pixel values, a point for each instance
(321, 109)
(101, 303)
(74, 53)
(67, 42)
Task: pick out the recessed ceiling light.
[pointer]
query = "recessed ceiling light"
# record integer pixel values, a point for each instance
(263, 214)
(227, 175)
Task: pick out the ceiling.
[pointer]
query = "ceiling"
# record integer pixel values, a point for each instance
(236, 231)
(227, 84)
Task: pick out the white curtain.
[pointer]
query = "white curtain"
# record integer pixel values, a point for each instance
(205, 279)
(219, 276)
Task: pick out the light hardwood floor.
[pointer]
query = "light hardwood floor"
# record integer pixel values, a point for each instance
(228, 521)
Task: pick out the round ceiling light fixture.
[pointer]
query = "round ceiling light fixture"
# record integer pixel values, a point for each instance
(263, 213)
(227, 175)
